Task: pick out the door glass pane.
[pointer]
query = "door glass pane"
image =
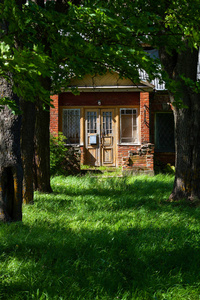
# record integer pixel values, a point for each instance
(107, 122)
(91, 122)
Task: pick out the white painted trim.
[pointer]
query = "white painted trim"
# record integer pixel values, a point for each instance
(111, 89)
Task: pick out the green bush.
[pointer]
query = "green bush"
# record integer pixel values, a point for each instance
(63, 160)
(57, 153)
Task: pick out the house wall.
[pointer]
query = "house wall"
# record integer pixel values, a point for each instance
(139, 158)
(160, 103)
(108, 99)
(140, 161)
(54, 115)
(149, 103)
(130, 156)
(144, 112)
(124, 152)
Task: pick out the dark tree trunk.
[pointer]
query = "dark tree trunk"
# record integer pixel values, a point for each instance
(187, 126)
(42, 145)
(27, 148)
(42, 148)
(11, 173)
(187, 132)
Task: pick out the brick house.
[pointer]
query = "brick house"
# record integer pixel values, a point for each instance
(116, 123)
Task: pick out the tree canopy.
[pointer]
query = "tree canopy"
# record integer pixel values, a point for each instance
(40, 41)
(89, 38)
(57, 40)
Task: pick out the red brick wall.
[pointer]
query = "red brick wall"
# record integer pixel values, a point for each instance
(144, 113)
(82, 155)
(54, 115)
(150, 161)
(123, 152)
(132, 160)
(137, 163)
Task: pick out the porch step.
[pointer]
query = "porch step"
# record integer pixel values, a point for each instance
(98, 171)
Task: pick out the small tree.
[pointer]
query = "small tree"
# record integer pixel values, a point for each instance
(63, 160)
(58, 152)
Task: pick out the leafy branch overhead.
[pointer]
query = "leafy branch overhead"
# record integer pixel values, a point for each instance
(90, 38)
(41, 42)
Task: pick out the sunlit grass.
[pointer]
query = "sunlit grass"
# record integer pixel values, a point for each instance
(103, 238)
(102, 171)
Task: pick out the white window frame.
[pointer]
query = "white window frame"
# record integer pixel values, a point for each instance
(137, 138)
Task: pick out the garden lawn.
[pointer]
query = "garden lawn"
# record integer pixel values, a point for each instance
(103, 238)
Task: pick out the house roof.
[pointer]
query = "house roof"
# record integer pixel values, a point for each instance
(109, 82)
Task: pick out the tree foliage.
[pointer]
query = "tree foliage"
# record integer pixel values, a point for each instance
(58, 40)
(85, 39)
(90, 38)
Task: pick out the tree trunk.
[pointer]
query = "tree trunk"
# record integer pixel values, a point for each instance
(27, 148)
(42, 145)
(187, 133)
(187, 126)
(11, 173)
(42, 150)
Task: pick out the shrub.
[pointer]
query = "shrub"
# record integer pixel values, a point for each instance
(63, 160)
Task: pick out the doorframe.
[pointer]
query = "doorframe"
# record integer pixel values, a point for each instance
(114, 135)
(99, 125)
(86, 144)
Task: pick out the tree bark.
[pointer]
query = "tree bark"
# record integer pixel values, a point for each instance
(11, 173)
(42, 150)
(42, 144)
(27, 148)
(187, 125)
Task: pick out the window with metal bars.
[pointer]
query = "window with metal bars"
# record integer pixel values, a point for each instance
(128, 125)
(71, 125)
(164, 132)
(91, 122)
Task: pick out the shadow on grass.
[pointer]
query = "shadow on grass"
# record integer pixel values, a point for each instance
(96, 263)
(46, 258)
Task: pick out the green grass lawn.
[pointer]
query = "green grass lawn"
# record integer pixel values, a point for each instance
(103, 238)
